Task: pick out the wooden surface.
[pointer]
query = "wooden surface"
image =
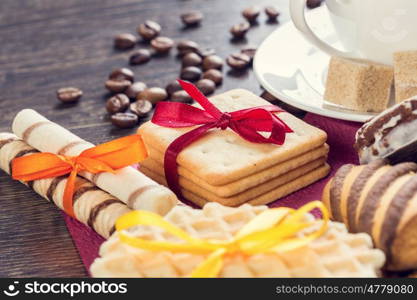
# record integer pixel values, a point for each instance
(48, 44)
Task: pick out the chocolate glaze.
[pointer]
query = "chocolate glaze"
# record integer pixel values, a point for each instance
(112, 230)
(96, 210)
(368, 132)
(65, 149)
(137, 192)
(7, 141)
(81, 191)
(52, 187)
(336, 191)
(394, 214)
(28, 131)
(366, 217)
(355, 191)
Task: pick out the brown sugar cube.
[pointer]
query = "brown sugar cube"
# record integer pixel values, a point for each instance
(405, 68)
(359, 85)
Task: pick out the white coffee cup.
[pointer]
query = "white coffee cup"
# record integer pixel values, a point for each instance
(368, 29)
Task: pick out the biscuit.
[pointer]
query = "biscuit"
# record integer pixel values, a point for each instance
(270, 196)
(213, 157)
(246, 183)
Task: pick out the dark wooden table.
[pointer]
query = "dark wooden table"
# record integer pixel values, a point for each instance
(48, 44)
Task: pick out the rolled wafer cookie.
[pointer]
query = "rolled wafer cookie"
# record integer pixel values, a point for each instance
(381, 200)
(133, 188)
(92, 206)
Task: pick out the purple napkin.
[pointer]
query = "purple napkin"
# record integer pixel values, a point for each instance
(341, 136)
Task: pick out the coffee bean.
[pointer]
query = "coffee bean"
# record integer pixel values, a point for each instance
(212, 62)
(238, 61)
(117, 103)
(140, 56)
(69, 94)
(191, 59)
(173, 87)
(313, 3)
(162, 44)
(239, 30)
(133, 90)
(192, 18)
(206, 86)
(141, 108)
(272, 13)
(190, 73)
(122, 74)
(249, 51)
(117, 86)
(206, 52)
(251, 13)
(214, 75)
(153, 94)
(181, 96)
(149, 30)
(187, 46)
(124, 120)
(125, 41)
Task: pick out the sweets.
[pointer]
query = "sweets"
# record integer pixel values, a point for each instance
(359, 85)
(405, 65)
(380, 200)
(392, 134)
(128, 185)
(221, 166)
(92, 206)
(336, 253)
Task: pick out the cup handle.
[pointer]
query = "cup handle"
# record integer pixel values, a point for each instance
(297, 8)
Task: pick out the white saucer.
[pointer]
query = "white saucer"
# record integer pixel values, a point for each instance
(294, 71)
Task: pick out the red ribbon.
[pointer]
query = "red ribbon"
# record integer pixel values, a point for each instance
(246, 122)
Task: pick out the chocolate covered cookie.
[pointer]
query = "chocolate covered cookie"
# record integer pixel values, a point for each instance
(391, 135)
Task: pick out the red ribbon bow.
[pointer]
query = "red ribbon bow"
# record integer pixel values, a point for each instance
(248, 123)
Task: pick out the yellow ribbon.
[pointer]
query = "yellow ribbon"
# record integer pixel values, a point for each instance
(271, 231)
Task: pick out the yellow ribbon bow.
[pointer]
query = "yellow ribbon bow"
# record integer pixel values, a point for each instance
(273, 230)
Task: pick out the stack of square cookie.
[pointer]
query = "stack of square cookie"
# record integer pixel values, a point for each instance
(223, 167)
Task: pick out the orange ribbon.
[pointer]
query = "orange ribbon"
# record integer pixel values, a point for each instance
(107, 157)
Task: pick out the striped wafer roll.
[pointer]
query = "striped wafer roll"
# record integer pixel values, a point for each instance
(92, 206)
(128, 185)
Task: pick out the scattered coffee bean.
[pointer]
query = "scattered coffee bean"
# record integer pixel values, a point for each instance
(122, 74)
(192, 18)
(191, 73)
(117, 86)
(117, 103)
(124, 120)
(153, 94)
(69, 94)
(238, 61)
(206, 52)
(173, 87)
(140, 56)
(187, 46)
(272, 13)
(149, 30)
(133, 90)
(239, 30)
(249, 51)
(214, 75)
(206, 86)
(162, 44)
(251, 13)
(125, 41)
(141, 108)
(313, 3)
(212, 62)
(191, 59)
(181, 96)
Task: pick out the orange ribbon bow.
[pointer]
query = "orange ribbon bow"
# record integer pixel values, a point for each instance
(107, 157)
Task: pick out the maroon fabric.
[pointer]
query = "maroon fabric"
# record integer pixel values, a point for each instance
(341, 137)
